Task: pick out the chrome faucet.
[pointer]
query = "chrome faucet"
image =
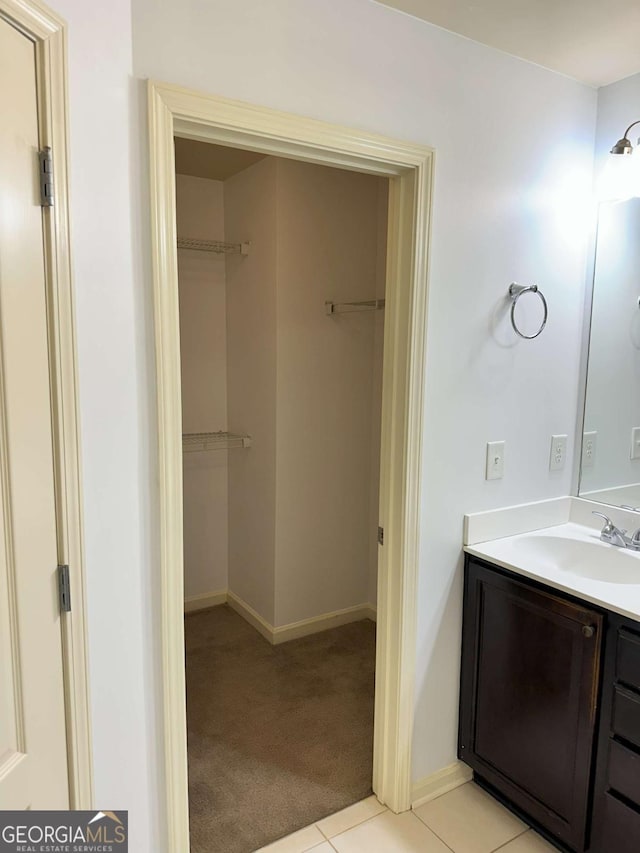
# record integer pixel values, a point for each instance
(615, 536)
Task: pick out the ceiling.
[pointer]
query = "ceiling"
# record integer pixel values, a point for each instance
(595, 41)
(216, 162)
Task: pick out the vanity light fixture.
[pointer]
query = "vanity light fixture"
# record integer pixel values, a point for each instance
(620, 177)
(624, 146)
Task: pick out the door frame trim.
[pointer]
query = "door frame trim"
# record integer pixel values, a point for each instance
(48, 32)
(175, 110)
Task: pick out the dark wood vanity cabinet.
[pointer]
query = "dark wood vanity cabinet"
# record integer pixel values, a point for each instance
(616, 801)
(529, 693)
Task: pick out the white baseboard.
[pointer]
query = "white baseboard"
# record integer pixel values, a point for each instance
(439, 783)
(294, 630)
(250, 615)
(204, 600)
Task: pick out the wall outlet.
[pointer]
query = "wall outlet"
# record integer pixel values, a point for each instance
(589, 449)
(558, 452)
(635, 443)
(495, 460)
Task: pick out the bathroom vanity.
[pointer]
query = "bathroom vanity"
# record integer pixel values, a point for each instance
(550, 684)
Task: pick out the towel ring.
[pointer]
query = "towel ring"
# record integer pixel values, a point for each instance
(515, 292)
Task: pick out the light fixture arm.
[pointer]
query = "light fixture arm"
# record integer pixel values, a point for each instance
(633, 124)
(624, 146)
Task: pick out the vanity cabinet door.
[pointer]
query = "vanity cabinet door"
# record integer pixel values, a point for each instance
(529, 690)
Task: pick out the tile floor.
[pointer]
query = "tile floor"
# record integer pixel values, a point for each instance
(466, 820)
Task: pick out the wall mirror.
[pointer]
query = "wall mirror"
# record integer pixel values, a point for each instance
(610, 463)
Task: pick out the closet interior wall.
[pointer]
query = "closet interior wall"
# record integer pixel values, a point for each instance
(299, 507)
(250, 210)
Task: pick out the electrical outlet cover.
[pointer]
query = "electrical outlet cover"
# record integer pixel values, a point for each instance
(558, 454)
(635, 443)
(589, 443)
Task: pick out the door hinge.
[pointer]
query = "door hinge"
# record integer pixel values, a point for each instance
(381, 536)
(64, 589)
(46, 177)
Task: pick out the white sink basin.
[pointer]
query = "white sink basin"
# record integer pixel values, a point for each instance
(571, 558)
(583, 555)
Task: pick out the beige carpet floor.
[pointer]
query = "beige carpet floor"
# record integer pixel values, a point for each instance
(279, 736)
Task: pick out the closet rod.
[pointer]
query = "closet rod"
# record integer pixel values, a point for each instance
(217, 246)
(351, 307)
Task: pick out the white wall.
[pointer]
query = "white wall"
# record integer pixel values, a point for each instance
(514, 149)
(115, 341)
(250, 215)
(203, 354)
(326, 471)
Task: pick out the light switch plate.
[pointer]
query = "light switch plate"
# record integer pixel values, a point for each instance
(589, 443)
(635, 443)
(558, 454)
(495, 460)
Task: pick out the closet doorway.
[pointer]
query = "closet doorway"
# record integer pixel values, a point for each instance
(281, 270)
(407, 167)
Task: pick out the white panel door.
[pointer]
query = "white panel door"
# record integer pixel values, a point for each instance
(33, 755)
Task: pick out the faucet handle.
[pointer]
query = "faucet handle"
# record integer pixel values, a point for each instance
(635, 539)
(609, 526)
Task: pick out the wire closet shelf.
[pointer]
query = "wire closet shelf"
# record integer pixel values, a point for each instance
(193, 442)
(219, 247)
(332, 308)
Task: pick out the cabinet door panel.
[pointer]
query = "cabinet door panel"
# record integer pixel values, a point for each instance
(628, 659)
(620, 828)
(624, 772)
(626, 715)
(530, 677)
(526, 699)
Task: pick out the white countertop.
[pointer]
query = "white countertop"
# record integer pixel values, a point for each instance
(571, 558)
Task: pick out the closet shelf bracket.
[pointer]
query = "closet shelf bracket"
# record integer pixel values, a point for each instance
(192, 442)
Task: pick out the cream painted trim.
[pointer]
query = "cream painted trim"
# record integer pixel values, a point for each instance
(440, 783)
(250, 615)
(316, 624)
(282, 634)
(173, 110)
(303, 628)
(49, 35)
(204, 601)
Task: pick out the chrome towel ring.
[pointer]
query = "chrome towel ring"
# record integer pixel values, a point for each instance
(515, 292)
